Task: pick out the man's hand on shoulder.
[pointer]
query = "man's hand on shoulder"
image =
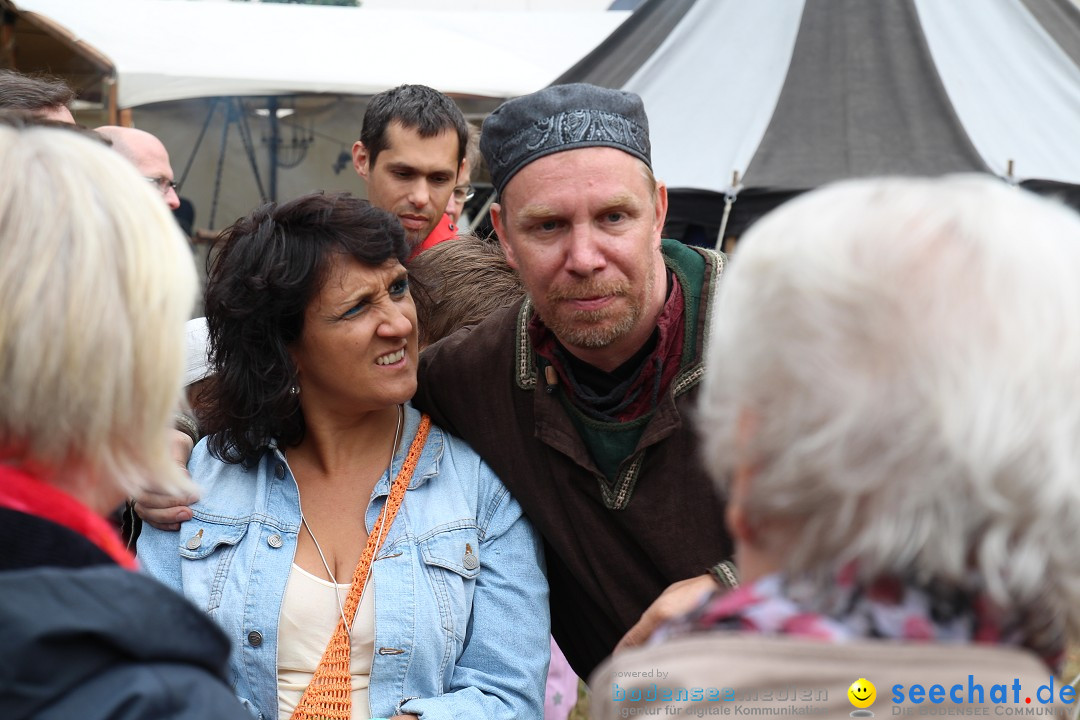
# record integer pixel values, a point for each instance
(166, 512)
(679, 599)
(180, 447)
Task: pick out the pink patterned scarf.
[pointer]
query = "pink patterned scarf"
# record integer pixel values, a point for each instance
(885, 609)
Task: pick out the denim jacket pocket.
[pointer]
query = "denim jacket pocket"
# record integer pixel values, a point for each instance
(206, 552)
(453, 562)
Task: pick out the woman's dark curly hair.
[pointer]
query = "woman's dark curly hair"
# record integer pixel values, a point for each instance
(267, 269)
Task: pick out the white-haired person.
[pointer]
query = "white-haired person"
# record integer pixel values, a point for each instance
(892, 407)
(95, 284)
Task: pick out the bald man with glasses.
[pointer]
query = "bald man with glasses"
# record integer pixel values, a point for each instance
(464, 191)
(461, 195)
(149, 157)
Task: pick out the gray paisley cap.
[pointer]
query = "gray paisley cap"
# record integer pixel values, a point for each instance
(558, 118)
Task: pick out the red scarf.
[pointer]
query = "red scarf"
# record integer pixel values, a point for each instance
(669, 347)
(25, 493)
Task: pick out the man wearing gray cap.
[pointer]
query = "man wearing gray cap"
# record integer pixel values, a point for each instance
(578, 396)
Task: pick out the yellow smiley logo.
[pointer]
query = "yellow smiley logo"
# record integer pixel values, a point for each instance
(862, 693)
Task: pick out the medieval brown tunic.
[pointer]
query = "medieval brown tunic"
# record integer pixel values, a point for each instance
(612, 546)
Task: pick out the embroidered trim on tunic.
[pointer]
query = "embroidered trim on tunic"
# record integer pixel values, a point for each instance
(616, 495)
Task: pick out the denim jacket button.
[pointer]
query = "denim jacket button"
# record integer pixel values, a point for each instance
(194, 541)
(470, 561)
(274, 541)
(279, 471)
(254, 638)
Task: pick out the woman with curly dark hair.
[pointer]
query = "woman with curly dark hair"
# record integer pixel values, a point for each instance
(365, 563)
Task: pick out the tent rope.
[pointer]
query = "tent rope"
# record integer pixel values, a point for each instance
(220, 165)
(729, 200)
(249, 146)
(198, 141)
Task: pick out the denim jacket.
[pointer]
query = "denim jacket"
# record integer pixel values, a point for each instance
(453, 638)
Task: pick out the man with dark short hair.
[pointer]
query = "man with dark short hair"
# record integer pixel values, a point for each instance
(579, 395)
(410, 152)
(40, 95)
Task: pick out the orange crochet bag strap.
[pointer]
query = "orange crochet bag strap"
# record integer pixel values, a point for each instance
(329, 694)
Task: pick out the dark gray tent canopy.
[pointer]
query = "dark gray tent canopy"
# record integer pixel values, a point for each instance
(760, 100)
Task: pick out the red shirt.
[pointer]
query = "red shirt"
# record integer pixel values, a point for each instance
(445, 230)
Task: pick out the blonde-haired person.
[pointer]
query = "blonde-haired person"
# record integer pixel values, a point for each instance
(95, 284)
(890, 406)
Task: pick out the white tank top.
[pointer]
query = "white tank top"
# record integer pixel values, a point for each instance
(309, 615)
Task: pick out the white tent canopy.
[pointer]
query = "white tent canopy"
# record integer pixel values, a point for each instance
(1015, 92)
(758, 100)
(197, 75)
(177, 49)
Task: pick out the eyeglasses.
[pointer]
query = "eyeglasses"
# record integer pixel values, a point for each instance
(464, 193)
(163, 184)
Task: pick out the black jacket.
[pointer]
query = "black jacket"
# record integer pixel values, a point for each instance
(83, 638)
